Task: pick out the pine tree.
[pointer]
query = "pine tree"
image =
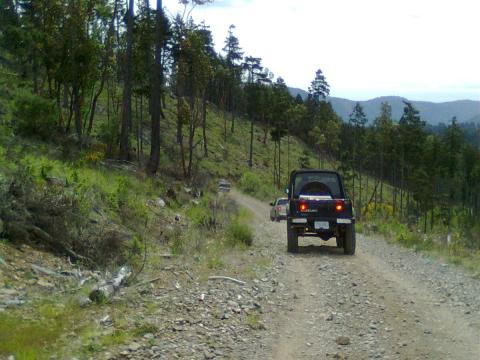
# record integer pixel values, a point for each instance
(233, 56)
(319, 88)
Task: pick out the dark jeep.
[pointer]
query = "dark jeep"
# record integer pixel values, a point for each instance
(319, 207)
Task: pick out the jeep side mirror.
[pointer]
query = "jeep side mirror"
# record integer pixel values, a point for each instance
(271, 203)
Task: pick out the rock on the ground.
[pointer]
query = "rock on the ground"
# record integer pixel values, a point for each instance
(84, 301)
(343, 340)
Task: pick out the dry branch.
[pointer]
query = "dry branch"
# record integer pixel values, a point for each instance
(226, 278)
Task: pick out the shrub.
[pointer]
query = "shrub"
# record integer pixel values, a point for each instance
(94, 157)
(35, 116)
(201, 215)
(250, 183)
(239, 233)
(409, 238)
(178, 243)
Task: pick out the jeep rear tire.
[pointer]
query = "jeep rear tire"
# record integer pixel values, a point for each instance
(349, 240)
(292, 239)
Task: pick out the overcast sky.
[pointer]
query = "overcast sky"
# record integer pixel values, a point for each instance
(420, 49)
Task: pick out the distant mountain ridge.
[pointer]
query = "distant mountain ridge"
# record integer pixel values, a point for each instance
(432, 113)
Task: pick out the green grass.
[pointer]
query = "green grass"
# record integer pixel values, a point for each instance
(264, 262)
(33, 335)
(253, 321)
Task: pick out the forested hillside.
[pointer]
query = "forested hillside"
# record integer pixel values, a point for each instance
(109, 80)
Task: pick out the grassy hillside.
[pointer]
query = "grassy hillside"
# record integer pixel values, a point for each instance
(59, 200)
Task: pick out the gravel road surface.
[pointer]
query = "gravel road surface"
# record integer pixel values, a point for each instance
(383, 303)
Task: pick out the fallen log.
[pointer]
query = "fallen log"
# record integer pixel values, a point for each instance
(106, 289)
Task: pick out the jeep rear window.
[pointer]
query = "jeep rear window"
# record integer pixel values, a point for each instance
(328, 181)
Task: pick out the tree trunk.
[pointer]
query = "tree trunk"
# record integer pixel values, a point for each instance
(407, 207)
(137, 117)
(77, 110)
(432, 218)
(265, 134)
(381, 172)
(232, 130)
(279, 162)
(360, 189)
(180, 144)
(61, 120)
(374, 194)
(149, 55)
(35, 72)
(191, 135)
(394, 190)
(179, 120)
(275, 163)
(224, 126)
(70, 114)
(153, 162)
(250, 158)
(402, 190)
(204, 123)
(288, 154)
(353, 188)
(127, 88)
(425, 222)
(381, 192)
(66, 92)
(141, 125)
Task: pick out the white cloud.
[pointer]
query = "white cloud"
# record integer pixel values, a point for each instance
(423, 49)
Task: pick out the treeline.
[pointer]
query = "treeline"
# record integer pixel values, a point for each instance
(433, 177)
(125, 57)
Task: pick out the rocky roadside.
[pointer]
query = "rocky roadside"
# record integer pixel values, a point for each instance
(188, 318)
(451, 285)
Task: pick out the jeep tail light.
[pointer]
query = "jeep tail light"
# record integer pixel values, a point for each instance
(339, 206)
(302, 206)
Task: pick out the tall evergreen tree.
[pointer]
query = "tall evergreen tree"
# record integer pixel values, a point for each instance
(319, 88)
(357, 121)
(233, 57)
(156, 86)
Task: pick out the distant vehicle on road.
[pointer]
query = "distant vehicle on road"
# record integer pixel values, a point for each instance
(319, 207)
(224, 185)
(279, 209)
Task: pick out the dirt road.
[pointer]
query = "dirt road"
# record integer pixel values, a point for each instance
(385, 302)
